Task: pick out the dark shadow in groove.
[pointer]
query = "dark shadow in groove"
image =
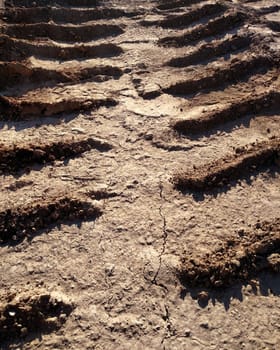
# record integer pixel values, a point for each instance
(274, 25)
(269, 284)
(62, 33)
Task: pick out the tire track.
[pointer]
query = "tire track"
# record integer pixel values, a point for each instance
(222, 172)
(31, 15)
(46, 3)
(240, 259)
(14, 158)
(14, 73)
(27, 108)
(214, 77)
(186, 19)
(16, 49)
(217, 26)
(251, 105)
(170, 5)
(20, 222)
(212, 51)
(62, 33)
(183, 52)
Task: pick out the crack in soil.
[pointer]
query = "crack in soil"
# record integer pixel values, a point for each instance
(165, 234)
(169, 332)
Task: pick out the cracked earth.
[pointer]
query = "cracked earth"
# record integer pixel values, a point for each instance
(139, 165)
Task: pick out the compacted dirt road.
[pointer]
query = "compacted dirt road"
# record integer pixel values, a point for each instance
(139, 161)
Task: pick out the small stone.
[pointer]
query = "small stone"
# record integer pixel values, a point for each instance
(39, 153)
(62, 317)
(203, 296)
(235, 262)
(241, 232)
(52, 320)
(109, 269)
(78, 130)
(218, 283)
(274, 262)
(148, 137)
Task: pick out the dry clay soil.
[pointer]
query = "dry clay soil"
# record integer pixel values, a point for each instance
(139, 165)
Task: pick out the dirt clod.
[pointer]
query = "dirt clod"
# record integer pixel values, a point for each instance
(240, 259)
(26, 314)
(222, 171)
(18, 223)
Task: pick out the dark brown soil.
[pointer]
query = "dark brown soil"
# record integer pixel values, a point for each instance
(235, 166)
(240, 258)
(29, 315)
(18, 223)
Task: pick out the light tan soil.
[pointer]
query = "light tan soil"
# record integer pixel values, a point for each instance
(103, 104)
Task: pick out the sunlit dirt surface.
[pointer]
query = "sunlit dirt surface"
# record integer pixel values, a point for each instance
(139, 162)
